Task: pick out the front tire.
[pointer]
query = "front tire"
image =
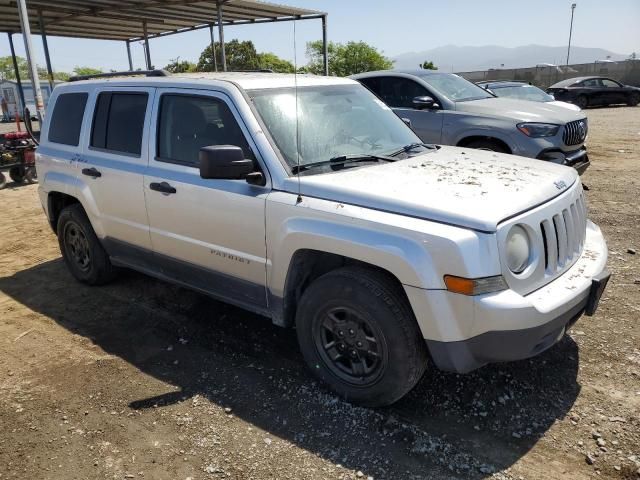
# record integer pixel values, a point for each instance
(358, 334)
(83, 254)
(3, 181)
(634, 99)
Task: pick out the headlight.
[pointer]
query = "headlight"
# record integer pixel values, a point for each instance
(518, 249)
(537, 130)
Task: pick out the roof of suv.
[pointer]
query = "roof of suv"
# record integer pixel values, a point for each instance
(502, 83)
(418, 72)
(245, 80)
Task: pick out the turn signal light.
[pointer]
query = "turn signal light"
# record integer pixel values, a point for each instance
(474, 286)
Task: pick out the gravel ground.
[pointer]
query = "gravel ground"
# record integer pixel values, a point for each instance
(141, 379)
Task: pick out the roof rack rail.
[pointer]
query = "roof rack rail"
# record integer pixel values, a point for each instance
(257, 70)
(128, 73)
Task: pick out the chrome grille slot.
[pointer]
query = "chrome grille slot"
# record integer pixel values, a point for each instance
(575, 132)
(571, 233)
(563, 235)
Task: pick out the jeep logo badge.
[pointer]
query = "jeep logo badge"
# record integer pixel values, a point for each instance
(560, 184)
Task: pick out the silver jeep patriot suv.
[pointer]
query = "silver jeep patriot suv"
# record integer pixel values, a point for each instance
(309, 201)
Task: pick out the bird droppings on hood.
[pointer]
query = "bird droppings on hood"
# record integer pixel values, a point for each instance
(477, 189)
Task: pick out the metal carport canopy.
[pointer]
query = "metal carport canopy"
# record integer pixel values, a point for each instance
(124, 19)
(134, 20)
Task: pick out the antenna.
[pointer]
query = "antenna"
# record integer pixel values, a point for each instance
(295, 82)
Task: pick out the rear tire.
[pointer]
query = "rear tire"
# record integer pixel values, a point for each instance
(3, 181)
(487, 144)
(358, 334)
(634, 99)
(82, 252)
(582, 101)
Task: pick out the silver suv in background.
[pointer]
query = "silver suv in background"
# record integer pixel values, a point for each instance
(444, 108)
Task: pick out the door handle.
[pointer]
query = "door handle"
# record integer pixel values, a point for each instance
(163, 187)
(91, 172)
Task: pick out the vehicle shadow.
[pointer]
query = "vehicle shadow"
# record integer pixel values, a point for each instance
(449, 426)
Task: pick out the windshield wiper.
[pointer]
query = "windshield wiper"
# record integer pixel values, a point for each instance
(343, 160)
(412, 146)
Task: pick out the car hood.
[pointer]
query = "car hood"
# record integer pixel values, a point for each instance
(521, 110)
(568, 105)
(470, 188)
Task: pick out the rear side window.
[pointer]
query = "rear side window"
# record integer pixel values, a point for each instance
(372, 83)
(397, 92)
(118, 122)
(66, 120)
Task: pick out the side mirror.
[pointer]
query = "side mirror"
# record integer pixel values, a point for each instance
(224, 162)
(421, 103)
(407, 121)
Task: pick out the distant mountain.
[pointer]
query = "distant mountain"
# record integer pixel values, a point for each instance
(462, 59)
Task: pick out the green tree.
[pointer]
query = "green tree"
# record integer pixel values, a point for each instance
(180, 66)
(273, 62)
(346, 59)
(427, 65)
(7, 72)
(240, 56)
(86, 71)
(6, 68)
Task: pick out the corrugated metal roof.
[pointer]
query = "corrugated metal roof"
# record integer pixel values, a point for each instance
(123, 19)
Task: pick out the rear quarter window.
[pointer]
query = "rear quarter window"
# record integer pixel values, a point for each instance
(66, 120)
(118, 122)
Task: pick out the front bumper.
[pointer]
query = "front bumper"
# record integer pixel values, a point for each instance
(509, 345)
(577, 159)
(464, 333)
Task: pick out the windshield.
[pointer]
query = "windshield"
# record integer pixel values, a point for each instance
(522, 92)
(333, 120)
(456, 88)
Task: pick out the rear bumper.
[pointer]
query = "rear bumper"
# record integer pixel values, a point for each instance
(577, 159)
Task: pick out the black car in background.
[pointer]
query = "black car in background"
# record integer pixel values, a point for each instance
(590, 91)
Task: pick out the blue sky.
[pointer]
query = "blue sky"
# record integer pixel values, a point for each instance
(393, 27)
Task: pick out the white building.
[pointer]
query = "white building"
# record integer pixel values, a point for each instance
(9, 90)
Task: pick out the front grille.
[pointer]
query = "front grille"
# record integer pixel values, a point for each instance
(575, 132)
(563, 235)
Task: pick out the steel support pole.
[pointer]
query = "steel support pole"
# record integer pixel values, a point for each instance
(325, 47)
(213, 49)
(45, 45)
(16, 70)
(573, 7)
(33, 68)
(147, 54)
(223, 56)
(129, 55)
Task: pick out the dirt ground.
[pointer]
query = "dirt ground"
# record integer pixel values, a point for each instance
(141, 379)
